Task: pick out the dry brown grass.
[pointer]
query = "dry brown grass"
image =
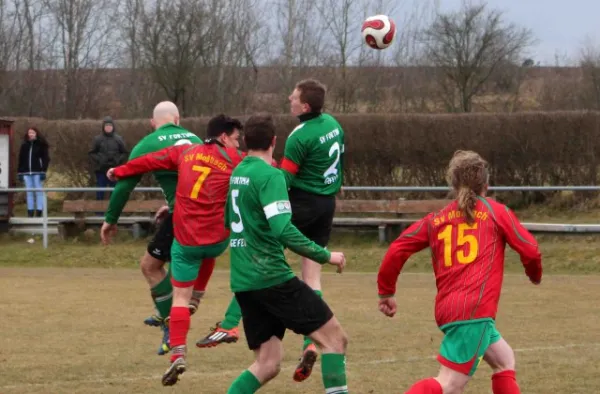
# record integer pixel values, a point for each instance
(79, 330)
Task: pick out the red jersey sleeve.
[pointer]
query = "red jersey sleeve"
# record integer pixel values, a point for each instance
(522, 242)
(412, 240)
(235, 155)
(164, 159)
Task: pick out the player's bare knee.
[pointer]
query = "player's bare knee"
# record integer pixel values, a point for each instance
(270, 368)
(452, 385)
(500, 357)
(181, 296)
(506, 363)
(331, 338)
(341, 343)
(452, 382)
(450, 388)
(151, 266)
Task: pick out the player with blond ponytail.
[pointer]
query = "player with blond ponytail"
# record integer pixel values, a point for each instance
(467, 240)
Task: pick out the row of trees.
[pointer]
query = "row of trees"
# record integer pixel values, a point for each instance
(85, 58)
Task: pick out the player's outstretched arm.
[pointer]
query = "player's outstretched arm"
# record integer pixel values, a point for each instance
(123, 188)
(412, 240)
(164, 159)
(276, 206)
(294, 240)
(522, 242)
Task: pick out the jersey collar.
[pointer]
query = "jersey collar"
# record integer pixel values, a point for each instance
(308, 116)
(209, 141)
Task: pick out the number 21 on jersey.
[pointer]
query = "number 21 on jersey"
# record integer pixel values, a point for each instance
(334, 150)
(468, 241)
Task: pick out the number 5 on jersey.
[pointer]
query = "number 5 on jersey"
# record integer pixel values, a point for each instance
(468, 241)
(236, 227)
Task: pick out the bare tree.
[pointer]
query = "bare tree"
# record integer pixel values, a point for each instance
(82, 43)
(340, 18)
(131, 18)
(590, 70)
(250, 40)
(172, 42)
(30, 15)
(467, 47)
(10, 43)
(299, 25)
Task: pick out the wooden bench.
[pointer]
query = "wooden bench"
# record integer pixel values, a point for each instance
(395, 212)
(81, 210)
(389, 226)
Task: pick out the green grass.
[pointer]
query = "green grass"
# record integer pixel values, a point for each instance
(561, 254)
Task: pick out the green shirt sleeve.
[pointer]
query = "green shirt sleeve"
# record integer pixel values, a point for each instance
(294, 152)
(276, 206)
(123, 189)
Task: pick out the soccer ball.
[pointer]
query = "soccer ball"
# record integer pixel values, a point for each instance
(378, 31)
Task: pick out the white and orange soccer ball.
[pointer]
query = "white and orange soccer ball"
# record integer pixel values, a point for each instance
(378, 31)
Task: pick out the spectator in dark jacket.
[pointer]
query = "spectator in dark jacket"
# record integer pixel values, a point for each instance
(108, 151)
(33, 164)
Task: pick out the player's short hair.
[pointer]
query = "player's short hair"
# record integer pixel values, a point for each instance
(220, 124)
(468, 174)
(259, 131)
(312, 92)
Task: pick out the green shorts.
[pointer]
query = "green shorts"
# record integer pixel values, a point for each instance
(186, 260)
(465, 343)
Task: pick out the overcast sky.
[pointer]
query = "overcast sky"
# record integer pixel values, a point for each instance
(561, 26)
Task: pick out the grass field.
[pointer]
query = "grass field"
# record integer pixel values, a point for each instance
(73, 323)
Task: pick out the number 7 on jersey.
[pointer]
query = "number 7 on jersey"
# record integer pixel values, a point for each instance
(204, 171)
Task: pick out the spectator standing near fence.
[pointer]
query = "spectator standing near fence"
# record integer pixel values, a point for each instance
(108, 151)
(33, 164)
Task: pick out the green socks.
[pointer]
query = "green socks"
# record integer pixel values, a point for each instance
(307, 340)
(333, 368)
(246, 383)
(162, 295)
(233, 315)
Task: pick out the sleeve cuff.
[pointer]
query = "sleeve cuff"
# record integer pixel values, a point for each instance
(327, 257)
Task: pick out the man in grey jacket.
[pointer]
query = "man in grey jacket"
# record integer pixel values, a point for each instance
(108, 151)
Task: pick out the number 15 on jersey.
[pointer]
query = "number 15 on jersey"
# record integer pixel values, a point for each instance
(468, 244)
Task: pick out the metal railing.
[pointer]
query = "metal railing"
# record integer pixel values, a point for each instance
(345, 188)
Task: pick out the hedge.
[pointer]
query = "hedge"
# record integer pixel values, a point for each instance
(530, 148)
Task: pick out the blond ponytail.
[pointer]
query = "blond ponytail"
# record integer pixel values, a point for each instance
(467, 200)
(469, 176)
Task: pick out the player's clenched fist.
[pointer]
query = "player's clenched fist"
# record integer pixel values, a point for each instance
(387, 306)
(338, 259)
(110, 174)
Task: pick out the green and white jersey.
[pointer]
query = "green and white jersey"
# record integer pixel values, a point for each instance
(259, 215)
(163, 137)
(313, 155)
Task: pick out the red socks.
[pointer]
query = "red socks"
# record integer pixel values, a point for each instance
(178, 327)
(427, 386)
(505, 382)
(206, 270)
